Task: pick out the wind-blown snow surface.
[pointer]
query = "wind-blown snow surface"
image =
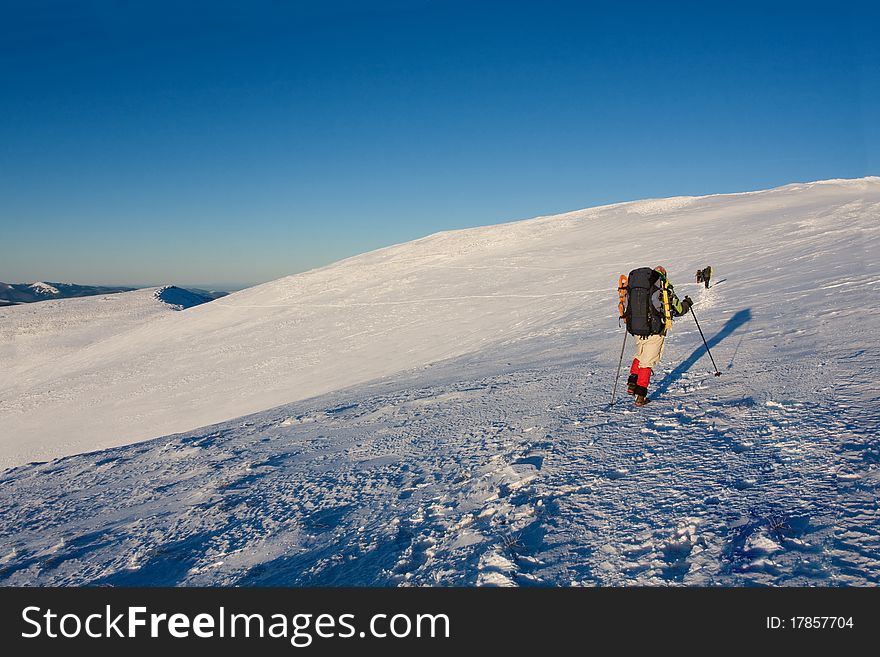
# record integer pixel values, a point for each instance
(39, 345)
(36, 335)
(454, 427)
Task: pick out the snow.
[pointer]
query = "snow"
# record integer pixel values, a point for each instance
(436, 413)
(38, 335)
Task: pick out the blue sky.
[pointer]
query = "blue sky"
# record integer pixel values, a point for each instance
(224, 144)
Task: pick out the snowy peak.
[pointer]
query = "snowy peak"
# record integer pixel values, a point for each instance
(44, 289)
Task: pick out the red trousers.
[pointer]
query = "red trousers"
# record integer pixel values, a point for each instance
(643, 373)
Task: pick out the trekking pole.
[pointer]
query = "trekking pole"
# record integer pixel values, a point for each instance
(619, 363)
(717, 373)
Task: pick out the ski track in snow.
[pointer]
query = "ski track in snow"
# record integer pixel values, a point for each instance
(494, 460)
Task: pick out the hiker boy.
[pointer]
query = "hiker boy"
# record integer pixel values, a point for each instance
(652, 304)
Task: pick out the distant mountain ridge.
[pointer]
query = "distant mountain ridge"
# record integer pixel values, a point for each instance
(12, 293)
(15, 293)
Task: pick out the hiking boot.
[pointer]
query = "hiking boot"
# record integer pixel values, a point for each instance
(641, 400)
(631, 384)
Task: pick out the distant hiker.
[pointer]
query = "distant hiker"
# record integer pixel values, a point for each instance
(703, 276)
(648, 304)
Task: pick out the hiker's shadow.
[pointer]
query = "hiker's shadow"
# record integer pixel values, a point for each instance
(732, 324)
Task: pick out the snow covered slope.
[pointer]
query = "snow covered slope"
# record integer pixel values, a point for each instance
(460, 432)
(36, 335)
(793, 251)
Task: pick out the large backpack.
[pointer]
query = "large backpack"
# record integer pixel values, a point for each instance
(642, 301)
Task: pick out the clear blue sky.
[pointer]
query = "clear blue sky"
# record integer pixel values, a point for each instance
(228, 143)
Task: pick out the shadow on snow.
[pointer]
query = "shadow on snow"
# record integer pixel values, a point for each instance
(740, 318)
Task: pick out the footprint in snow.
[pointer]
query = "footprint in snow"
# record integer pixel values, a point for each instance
(495, 570)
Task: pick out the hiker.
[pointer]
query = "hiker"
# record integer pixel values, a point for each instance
(703, 276)
(649, 318)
